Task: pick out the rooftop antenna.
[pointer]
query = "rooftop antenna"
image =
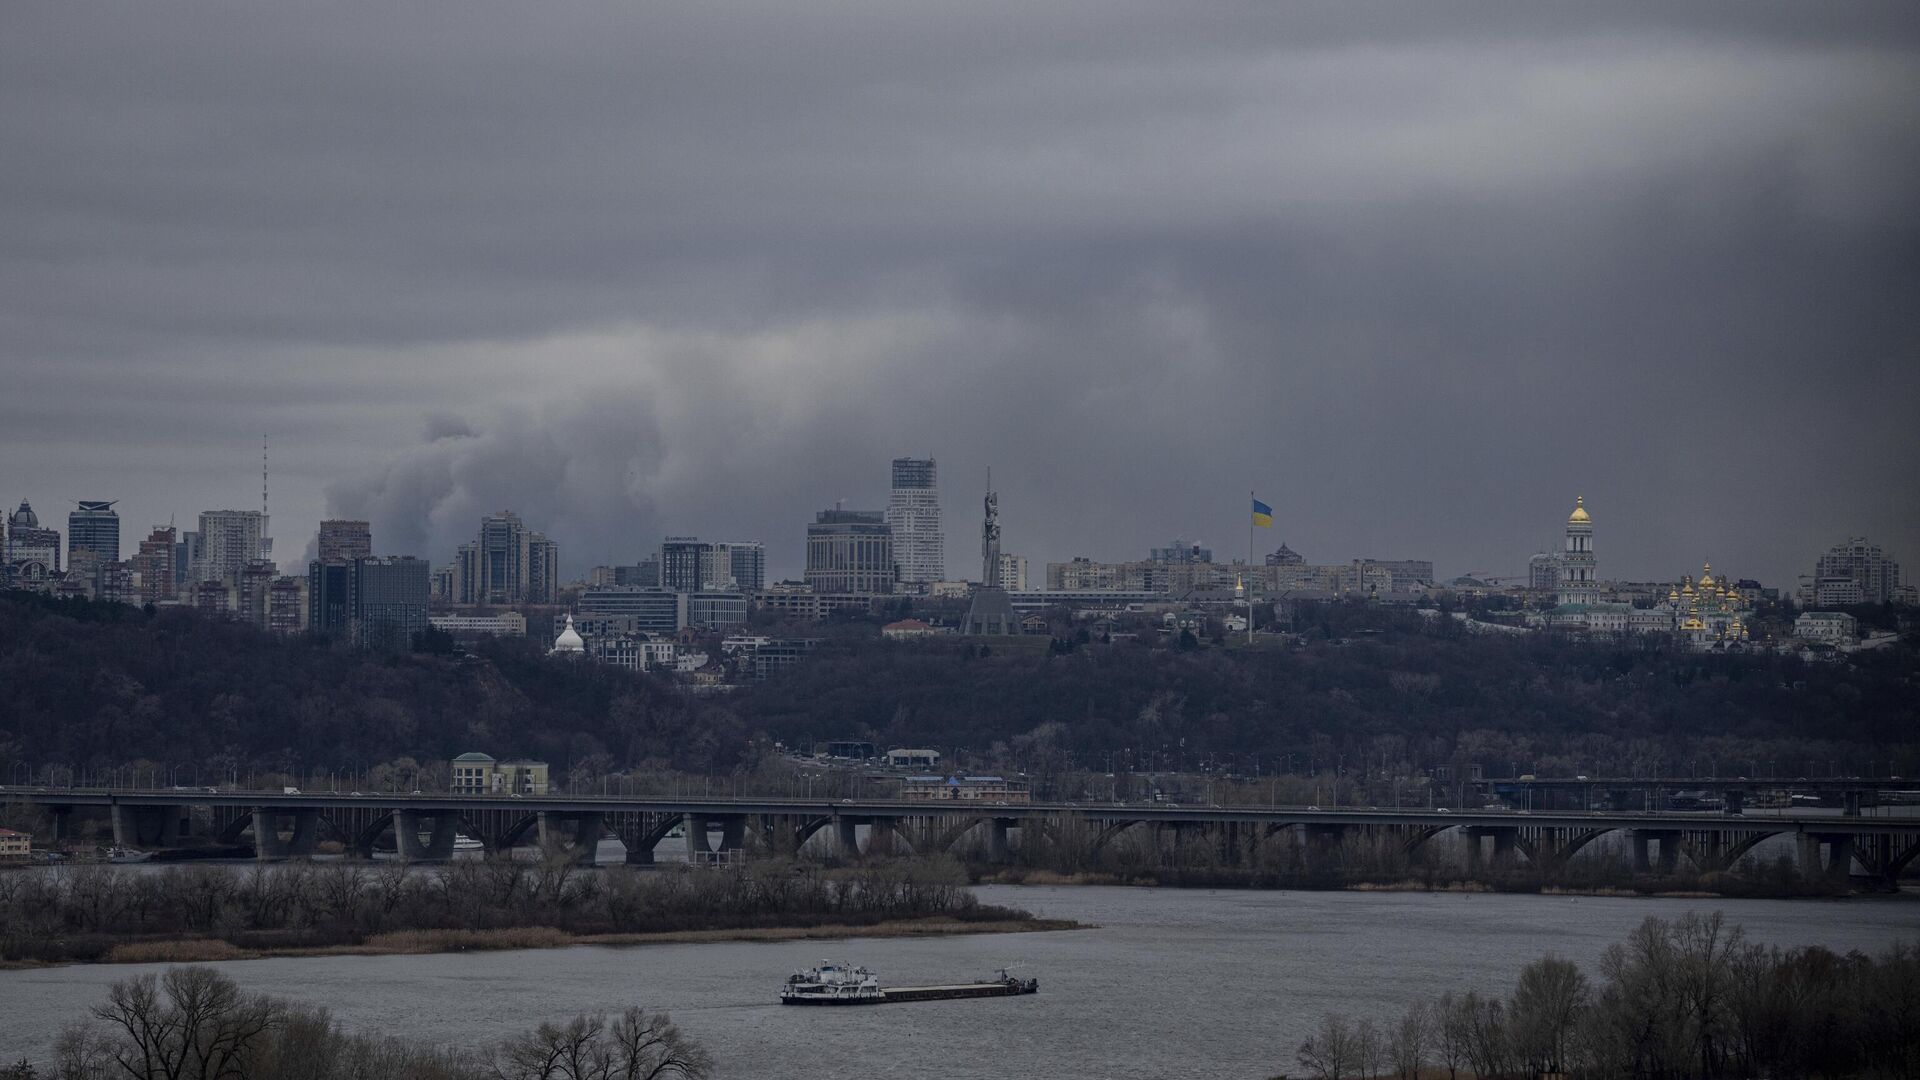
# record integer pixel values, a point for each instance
(263, 476)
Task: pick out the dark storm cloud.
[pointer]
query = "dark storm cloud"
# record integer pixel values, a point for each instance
(1417, 272)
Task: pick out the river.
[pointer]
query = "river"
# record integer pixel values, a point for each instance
(1169, 983)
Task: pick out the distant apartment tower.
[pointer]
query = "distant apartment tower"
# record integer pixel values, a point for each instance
(913, 513)
(1543, 572)
(94, 527)
(344, 541)
(689, 564)
(154, 563)
(1856, 572)
(507, 564)
(229, 540)
(850, 551)
(1013, 573)
(1180, 552)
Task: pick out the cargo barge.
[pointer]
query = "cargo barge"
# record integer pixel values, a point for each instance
(838, 984)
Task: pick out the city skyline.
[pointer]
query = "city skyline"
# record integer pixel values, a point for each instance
(1422, 275)
(789, 550)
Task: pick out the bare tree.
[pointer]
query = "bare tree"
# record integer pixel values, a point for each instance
(1369, 1049)
(1332, 1052)
(639, 1045)
(193, 1023)
(1453, 1027)
(1408, 1042)
(1546, 1006)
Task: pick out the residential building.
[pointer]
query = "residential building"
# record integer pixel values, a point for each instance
(850, 551)
(913, 516)
(1013, 573)
(228, 541)
(153, 562)
(344, 541)
(94, 527)
(287, 605)
(906, 630)
(506, 564)
(1180, 551)
(15, 846)
(1544, 572)
(213, 597)
(1854, 572)
(689, 564)
(250, 596)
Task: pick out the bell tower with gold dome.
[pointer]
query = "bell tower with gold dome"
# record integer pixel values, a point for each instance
(1577, 582)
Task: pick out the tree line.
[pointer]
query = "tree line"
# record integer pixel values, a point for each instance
(1367, 691)
(195, 1023)
(1682, 999)
(86, 912)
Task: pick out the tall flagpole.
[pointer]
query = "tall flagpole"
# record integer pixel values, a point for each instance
(1248, 575)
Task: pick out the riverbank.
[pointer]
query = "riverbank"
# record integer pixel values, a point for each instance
(1704, 886)
(428, 942)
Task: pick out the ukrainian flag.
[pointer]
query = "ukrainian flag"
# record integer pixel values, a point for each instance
(1262, 514)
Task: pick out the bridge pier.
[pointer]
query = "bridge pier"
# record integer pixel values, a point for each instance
(149, 826)
(998, 849)
(437, 847)
(1323, 847)
(582, 846)
(846, 838)
(268, 845)
(1850, 800)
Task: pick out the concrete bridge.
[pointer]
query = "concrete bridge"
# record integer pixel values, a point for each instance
(290, 825)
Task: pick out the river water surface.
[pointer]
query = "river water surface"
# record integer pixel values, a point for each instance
(1168, 983)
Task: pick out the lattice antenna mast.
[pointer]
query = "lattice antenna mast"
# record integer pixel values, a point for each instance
(263, 476)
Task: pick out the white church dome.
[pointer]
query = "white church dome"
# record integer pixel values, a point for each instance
(568, 641)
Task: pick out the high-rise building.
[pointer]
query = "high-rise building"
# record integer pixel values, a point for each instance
(749, 564)
(1013, 573)
(345, 541)
(850, 551)
(186, 556)
(287, 605)
(329, 598)
(685, 563)
(507, 564)
(1856, 572)
(1543, 572)
(154, 563)
(32, 552)
(94, 527)
(1577, 580)
(256, 579)
(913, 513)
(689, 564)
(229, 540)
(389, 601)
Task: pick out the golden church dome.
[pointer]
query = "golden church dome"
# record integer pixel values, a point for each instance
(1579, 515)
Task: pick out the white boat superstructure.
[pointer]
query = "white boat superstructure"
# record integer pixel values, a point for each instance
(832, 984)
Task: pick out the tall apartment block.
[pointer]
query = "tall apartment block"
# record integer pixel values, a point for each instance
(507, 564)
(344, 541)
(913, 514)
(229, 540)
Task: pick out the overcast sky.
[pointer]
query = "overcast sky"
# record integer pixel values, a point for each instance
(1418, 273)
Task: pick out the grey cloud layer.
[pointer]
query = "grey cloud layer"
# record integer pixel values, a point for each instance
(1417, 272)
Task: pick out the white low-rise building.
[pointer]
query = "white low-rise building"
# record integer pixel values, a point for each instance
(1832, 627)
